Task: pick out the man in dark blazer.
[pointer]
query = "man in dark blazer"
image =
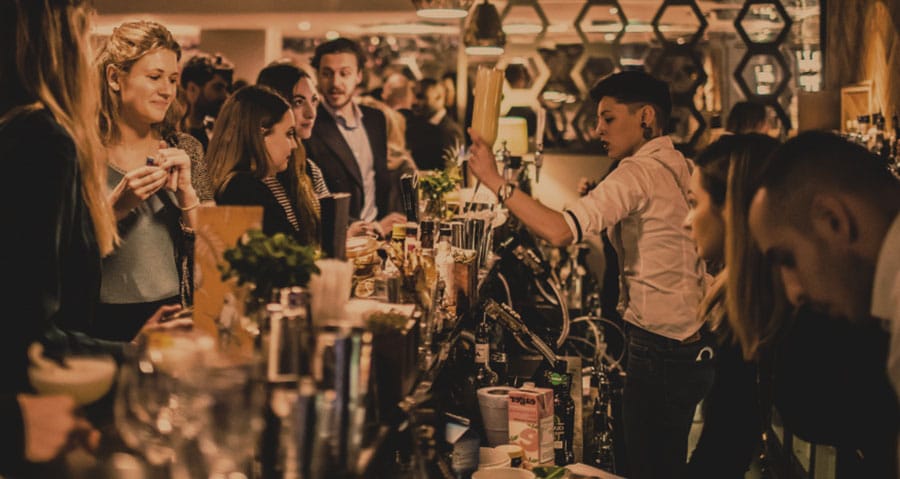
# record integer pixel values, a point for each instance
(349, 141)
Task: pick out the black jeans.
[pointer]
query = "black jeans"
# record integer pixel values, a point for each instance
(665, 381)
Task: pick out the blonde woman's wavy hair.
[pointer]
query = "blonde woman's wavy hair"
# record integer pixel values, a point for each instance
(48, 63)
(127, 44)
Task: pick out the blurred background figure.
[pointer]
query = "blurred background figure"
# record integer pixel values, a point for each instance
(207, 81)
(433, 133)
(747, 117)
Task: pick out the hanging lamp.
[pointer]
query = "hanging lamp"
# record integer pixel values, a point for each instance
(484, 35)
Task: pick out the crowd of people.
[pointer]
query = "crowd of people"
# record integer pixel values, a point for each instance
(742, 270)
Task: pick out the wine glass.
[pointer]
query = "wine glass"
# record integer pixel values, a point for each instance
(85, 377)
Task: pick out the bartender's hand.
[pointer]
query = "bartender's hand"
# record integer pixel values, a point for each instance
(482, 163)
(51, 425)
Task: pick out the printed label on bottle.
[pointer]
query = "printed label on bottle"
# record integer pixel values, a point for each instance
(559, 431)
(482, 352)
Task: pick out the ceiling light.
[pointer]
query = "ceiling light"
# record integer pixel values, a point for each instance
(442, 8)
(484, 34)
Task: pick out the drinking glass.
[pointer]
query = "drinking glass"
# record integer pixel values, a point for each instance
(231, 433)
(486, 110)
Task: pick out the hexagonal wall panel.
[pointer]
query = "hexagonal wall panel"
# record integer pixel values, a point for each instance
(682, 68)
(585, 121)
(591, 30)
(681, 8)
(772, 77)
(594, 63)
(523, 96)
(775, 8)
(524, 21)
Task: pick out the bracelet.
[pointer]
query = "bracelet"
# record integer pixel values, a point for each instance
(189, 208)
(505, 192)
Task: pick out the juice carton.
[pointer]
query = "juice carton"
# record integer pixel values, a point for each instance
(531, 423)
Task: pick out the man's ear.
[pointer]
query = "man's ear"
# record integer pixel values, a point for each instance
(113, 76)
(833, 219)
(192, 92)
(648, 115)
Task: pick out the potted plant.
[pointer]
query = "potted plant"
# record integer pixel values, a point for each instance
(435, 185)
(268, 263)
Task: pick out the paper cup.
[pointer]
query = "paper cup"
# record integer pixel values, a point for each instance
(493, 402)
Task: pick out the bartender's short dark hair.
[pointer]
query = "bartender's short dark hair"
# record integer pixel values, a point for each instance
(339, 45)
(633, 87)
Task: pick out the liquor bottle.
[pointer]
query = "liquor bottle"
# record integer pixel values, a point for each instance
(499, 362)
(445, 264)
(603, 456)
(398, 245)
(484, 375)
(563, 414)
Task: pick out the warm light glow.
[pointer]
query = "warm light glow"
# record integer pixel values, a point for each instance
(304, 26)
(513, 130)
(522, 28)
(484, 51)
(412, 29)
(441, 13)
(331, 35)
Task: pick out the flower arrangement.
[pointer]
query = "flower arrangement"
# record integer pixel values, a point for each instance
(268, 263)
(435, 185)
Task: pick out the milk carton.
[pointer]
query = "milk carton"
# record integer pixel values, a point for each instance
(531, 423)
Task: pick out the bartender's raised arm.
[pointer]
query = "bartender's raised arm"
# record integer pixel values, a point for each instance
(544, 222)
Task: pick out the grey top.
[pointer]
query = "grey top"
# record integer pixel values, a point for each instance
(144, 267)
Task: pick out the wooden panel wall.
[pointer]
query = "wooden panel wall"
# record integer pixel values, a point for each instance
(863, 43)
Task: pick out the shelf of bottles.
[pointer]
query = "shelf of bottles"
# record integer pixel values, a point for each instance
(870, 132)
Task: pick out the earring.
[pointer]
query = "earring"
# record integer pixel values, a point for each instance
(648, 132)
(114, 86)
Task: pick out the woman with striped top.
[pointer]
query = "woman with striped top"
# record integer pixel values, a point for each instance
(254, 140)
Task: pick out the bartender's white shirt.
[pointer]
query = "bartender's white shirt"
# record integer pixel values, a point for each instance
(642, 205)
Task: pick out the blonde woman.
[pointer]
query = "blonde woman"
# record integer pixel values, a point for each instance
(156, 178)
(59, 221)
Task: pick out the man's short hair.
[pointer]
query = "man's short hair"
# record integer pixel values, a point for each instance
(636, 87)
(202, 67)
(819, 161)
(339, 45)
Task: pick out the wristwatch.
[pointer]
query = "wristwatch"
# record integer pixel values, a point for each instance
(505, 191)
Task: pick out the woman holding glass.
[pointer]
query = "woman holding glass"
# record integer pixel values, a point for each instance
(156, 178)
(48, 134)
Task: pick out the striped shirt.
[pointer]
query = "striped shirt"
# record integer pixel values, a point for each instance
(281, 196)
